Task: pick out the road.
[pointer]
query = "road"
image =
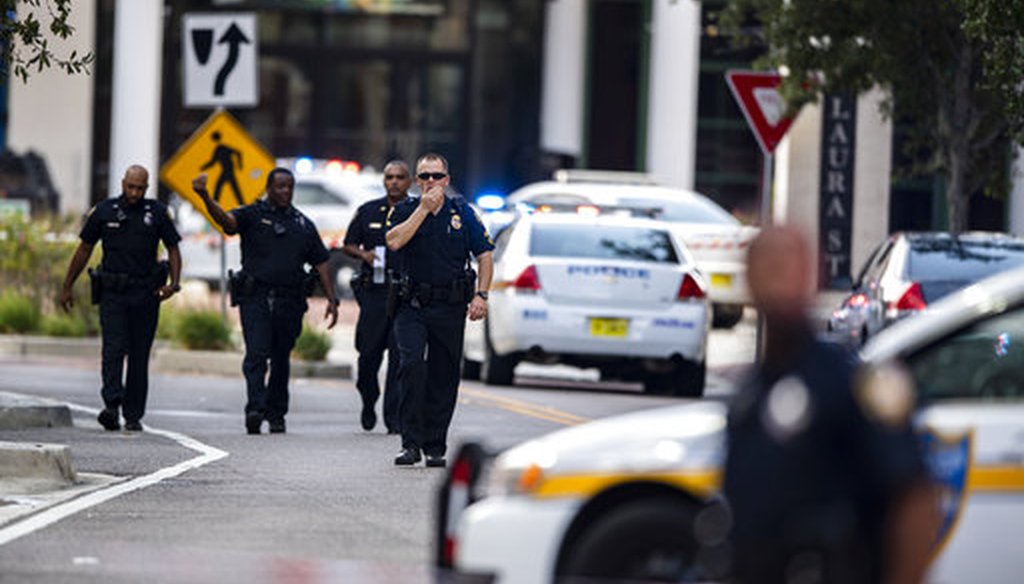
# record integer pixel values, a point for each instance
(323, 503)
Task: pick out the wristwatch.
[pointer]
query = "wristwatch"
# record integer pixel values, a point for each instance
(482, 294)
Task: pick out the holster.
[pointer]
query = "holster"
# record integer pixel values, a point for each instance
(96, 285)
(311, 283)
(239, 285)
(469, 285)
(399, 289)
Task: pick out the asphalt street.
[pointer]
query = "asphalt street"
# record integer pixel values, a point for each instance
(322, 503)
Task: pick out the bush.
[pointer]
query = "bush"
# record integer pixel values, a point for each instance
(64, 325)
(18, 314)
(312, 345)
(202, 329)
(167, 326)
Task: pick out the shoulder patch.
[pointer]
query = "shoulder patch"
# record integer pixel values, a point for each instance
(885, 393)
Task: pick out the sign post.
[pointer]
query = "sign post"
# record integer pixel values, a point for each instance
(757, 94)
(236, 166)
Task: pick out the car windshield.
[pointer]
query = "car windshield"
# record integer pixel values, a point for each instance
(602, 242)
(683, 211)
(950, 258)
(314, 194)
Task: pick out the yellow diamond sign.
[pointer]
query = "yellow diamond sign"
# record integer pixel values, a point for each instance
(235, 163)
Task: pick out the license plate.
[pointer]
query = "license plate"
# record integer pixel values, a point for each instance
(609, 327)
(721, 280)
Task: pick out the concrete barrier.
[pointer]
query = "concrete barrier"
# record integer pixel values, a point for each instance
(18, 412)
(27, 467)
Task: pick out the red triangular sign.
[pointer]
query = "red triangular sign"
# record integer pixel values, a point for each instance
(757, 93)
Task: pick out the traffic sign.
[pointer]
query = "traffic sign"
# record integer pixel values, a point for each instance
(220, 56)
(757, 93)
(235, 163)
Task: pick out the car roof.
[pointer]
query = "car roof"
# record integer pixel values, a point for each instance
(605, 191)
(988, 296)
(599, 220)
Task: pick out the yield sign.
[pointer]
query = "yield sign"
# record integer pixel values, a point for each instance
(235, 163)
(757, 93)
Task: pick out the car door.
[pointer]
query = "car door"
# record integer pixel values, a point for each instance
(972, 388)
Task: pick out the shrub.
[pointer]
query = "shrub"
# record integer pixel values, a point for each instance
(18, 314)
(202, 329)
(312, 345)
(167, 326)
(64, 325)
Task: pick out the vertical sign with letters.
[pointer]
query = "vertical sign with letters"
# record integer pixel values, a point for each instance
(838, 139)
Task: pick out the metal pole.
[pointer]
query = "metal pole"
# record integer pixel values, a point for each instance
(223, 277)
(765, 220)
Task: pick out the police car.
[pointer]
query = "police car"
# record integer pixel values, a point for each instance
(717, 240)
(634, 495)
(601, 290)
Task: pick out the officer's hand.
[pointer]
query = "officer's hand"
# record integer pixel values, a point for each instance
(199, 185)
(331, 314)
(165, 292)
(433, 199)
(477, 308)
(67, 299)
(368, 256)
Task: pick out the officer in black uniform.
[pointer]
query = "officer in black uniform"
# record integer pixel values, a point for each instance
(437, 235)
(364, 240)
(129, 287)
(277, 243)
(824, 476)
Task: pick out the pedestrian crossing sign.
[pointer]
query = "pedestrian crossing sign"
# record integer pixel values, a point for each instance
(236, 164)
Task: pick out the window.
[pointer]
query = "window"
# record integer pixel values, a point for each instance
(984, 361)
(603, 242)
(314, 194)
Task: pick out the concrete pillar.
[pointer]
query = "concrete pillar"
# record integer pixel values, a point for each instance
(52, 113)
(672, 96)
(1015, 210)
(135, 103)
(561, 117)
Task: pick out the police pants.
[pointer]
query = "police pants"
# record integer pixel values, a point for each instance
(128, 324)
(374, 334)
(270, 326)
(430, 358)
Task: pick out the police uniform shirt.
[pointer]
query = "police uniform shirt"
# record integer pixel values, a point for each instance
(368, 230)
(437, 254)
(130, 234)
(277, 243)
(808, 461)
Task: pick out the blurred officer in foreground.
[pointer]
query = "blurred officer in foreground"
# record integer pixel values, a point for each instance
(438, 234)
(365, 240)
(129, 287)
(825, 478)
(270, 291)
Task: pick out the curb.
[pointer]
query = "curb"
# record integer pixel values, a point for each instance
(28, 467)
(18, 412)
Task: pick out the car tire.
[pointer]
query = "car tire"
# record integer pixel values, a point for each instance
(641, 540)
(686, 379)
(496, 369)
(726, 316)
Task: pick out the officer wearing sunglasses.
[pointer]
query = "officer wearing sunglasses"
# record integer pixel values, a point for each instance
(277, 243)
(365, 241)
(438, 234)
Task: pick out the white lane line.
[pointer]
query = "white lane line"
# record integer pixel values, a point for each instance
(207, 454)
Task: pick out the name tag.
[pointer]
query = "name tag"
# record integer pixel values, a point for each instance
(266, 221)
(113, 224)
(375, 226)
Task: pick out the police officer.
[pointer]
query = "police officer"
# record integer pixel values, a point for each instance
(277, 242)
(129, 286)
(365, 240)
(437, 235)
(824, 477)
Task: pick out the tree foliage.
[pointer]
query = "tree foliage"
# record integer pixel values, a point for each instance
(25, 43)
(940, 61)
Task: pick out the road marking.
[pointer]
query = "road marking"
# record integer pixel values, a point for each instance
(525, 408)
(207, 454)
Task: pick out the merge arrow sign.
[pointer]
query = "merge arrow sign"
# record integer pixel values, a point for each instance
(233, 37)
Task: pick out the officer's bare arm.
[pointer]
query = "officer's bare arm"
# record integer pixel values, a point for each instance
(223, 218)
(485, 262)
(913, 518)
(174, 259)
(324, 271)
(401, 234)
(78, 263)
(357, 251)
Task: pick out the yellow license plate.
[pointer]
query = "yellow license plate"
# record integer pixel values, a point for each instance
(609, 327)
(721, 280)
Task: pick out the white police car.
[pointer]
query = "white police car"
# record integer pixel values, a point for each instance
(616, 493)
(613, 292)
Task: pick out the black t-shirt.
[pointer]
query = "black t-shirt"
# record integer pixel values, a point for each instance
(130, 234)
(368, 229)
(809, 474)
(441, 248)
(277, 243)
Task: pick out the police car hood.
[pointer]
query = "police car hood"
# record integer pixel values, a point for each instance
(670, 438)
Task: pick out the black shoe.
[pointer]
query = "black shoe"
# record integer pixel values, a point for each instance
(408, 457)
(277, 427)
(253, 421)
(368, 418)
(436, 460)
(133, 426)
(109, 419)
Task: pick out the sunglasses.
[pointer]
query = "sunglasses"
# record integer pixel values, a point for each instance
(395, 176)
(431, 175)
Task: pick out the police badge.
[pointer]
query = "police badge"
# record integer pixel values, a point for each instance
(456, 222)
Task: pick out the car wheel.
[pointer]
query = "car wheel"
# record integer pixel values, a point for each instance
(496, 369)
(726, 316)
(690, 378)
(645, 540)
(470, 370)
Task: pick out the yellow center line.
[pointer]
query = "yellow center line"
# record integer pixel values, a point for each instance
(525, 408)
